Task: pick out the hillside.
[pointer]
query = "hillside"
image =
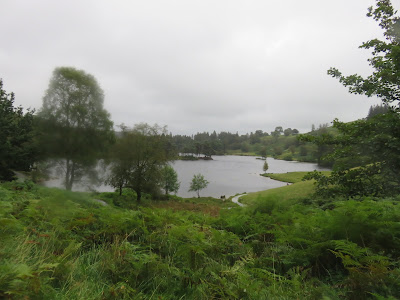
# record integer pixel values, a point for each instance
(283, 245)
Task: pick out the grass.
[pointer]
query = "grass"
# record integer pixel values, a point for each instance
(61, 245)
(241, 153)
(299, 189)
(291, 177)
(204, 205)
(285, 193)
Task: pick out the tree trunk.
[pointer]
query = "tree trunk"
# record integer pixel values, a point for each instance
(70, 175)
(68, 185)
(139, 195)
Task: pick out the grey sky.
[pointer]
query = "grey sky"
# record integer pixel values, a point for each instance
(195, 65)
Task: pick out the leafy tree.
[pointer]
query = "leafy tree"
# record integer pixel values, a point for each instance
(303, 150)
(279, 129)
(138, 157)
(169, 180)
(118, 177)
(18, 149)
(76, 129)
(366, 157)
(198, 183)
(207, 150)
(265, 167)
(288, 131)
(263, 152)
(373, 144)
(384, 81)
(278, 150)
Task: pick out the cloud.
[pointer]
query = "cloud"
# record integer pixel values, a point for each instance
(195, 65)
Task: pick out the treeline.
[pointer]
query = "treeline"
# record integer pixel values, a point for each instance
(223, 142)
(280, 143)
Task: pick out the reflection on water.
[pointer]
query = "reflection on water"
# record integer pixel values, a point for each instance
(228, 175)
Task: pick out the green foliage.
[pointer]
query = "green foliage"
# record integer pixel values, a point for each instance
(384, 80)
(366, 151)
(75, 128)
(63, 245)
(198, 183)
(366, 155)
(255, 143)
(18, 149)
(169, 180)
(377, 109)
(138, 158)
(265, 167)
(292, 177)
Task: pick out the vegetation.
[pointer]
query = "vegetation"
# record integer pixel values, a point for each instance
(169, 180)
(326, 236)
(75, 128)
(280, 144)
(198, 183)
(65, 245)
(384, 81)
(377, 110)
(265, 167)
(366, 152)
(138, 159)
(18, 148)
(291, 177)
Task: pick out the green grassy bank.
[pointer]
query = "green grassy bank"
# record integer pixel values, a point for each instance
(283, 245)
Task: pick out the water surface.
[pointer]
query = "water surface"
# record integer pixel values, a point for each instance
(227, 175)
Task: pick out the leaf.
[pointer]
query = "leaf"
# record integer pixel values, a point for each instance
(23, 271)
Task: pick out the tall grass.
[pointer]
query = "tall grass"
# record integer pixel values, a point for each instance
(60, 245)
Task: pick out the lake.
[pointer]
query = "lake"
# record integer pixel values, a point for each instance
(228, 175)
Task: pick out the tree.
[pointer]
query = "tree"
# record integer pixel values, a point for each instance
(18, 149)
(384, 81)
(138, 157)
(288, 131)
(198, 183)
(373, 143)
(169, 180)
(76, 129)
(263, 152)
(265, 167)
(366, 158)
(277, 132)
(377, 109)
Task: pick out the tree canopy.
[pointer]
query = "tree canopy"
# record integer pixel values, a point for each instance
(169, 180)
(366, 152)
(138, 158)
(76, 129)
(384, 81)
(198, 183)
(18, 149)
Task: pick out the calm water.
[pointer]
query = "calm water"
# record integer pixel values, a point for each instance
(228, 175)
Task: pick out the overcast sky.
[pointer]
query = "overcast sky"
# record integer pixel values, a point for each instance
(195, 65)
